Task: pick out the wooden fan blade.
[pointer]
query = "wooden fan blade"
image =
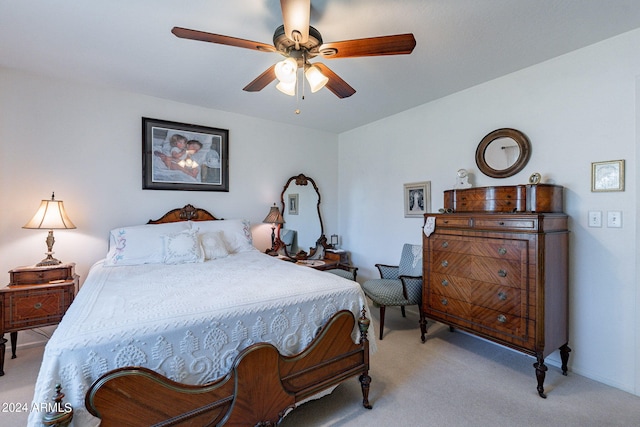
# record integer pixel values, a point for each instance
(399, 44)
(295, 16)
(339, 87)
(262, 80)
(186, 33)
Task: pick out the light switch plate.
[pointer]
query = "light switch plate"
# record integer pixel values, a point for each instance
(595, 218)
(614, 219)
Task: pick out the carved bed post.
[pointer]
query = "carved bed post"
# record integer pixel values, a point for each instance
(61, 414)
(365, 379)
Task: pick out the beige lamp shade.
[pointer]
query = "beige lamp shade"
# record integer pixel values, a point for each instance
(50, 215)
(274, 216)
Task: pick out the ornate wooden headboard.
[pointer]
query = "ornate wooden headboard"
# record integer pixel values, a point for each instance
(187, 213)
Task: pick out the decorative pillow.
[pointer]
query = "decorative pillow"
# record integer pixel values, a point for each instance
(236, 233)
(141, 244)
(182, 247)
(213, 245)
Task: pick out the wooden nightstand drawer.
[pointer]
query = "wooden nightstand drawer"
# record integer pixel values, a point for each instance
(36, 306)
(36, 275)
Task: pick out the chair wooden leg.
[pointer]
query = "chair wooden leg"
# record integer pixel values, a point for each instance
(403, 312)
(382, 307)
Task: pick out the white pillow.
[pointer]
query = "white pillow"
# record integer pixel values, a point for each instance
(141, 244)
(213, 245)
(182, 247)
(236, 233)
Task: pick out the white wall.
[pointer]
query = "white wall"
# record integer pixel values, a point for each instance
(575, 109)
(85, 143)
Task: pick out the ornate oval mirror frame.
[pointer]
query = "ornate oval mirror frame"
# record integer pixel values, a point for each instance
(303, 180)
(524, 147)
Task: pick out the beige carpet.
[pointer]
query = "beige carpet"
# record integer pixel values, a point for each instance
(451, 380)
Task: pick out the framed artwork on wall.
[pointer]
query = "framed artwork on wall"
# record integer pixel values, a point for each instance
(292, 204)
(179, 156)
(607, 176)
(417, 199)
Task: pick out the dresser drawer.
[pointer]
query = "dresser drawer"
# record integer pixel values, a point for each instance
(492, 322)
(502, 298)
(453, 221)
(39, 306)
(486, 269)
(496, 248)
(506, 224)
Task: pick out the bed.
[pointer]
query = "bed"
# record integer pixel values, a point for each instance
(185, 323)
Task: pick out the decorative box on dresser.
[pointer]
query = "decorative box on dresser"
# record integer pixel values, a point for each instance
(35, 297)
(496, 266)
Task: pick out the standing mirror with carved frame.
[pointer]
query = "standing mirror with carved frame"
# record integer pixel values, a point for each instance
(302, 234)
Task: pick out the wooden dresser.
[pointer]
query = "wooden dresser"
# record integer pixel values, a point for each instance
(497, 268)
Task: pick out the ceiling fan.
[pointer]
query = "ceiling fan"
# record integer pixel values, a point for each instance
(299, 42)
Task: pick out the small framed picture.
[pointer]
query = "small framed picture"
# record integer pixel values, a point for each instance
(607, 176)
(417, 199)
(292, 204)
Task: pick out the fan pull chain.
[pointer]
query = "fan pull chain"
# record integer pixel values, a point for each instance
(300, 82)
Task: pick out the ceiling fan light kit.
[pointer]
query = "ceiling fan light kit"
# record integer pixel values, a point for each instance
(316, 79)
(287, 88)
(298, 42)
(286, 70)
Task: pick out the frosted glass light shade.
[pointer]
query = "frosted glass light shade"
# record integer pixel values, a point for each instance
(286, 70)
(287, 88)
(316, 79)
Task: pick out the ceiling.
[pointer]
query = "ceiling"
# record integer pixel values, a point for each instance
(128, 45)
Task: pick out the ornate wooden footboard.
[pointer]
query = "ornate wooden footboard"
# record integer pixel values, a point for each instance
(259, 391)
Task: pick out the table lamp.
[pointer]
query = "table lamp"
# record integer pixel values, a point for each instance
(50, 215)
(274, 217)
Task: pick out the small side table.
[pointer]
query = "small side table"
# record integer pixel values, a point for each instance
(343, 263)
(35, 297)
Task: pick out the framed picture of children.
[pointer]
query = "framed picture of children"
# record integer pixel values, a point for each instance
(180, 156)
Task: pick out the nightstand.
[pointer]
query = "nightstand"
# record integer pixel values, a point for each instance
(35, 297)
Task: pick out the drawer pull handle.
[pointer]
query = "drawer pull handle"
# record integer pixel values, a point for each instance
(501, 223)
(502, 273)
(502, 296)
(444, 301)
(445, 263)
(502, 318)
(445, 244)
(444, 282)
(502, 251)
(37, 305)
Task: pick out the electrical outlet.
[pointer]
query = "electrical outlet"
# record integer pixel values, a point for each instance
(614, 219)
(595, 218)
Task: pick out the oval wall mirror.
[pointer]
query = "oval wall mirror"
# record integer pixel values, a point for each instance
(503, 153)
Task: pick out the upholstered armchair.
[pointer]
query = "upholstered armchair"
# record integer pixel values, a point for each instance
(399, 285)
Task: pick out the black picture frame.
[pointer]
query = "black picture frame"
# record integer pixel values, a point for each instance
(171, 160)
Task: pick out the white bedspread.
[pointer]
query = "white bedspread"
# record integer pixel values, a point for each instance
(187, 322)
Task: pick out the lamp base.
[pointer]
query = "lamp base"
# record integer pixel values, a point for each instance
(49, 260)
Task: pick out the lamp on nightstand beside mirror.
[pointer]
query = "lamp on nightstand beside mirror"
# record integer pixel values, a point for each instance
(50, 215)
(274, 217)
